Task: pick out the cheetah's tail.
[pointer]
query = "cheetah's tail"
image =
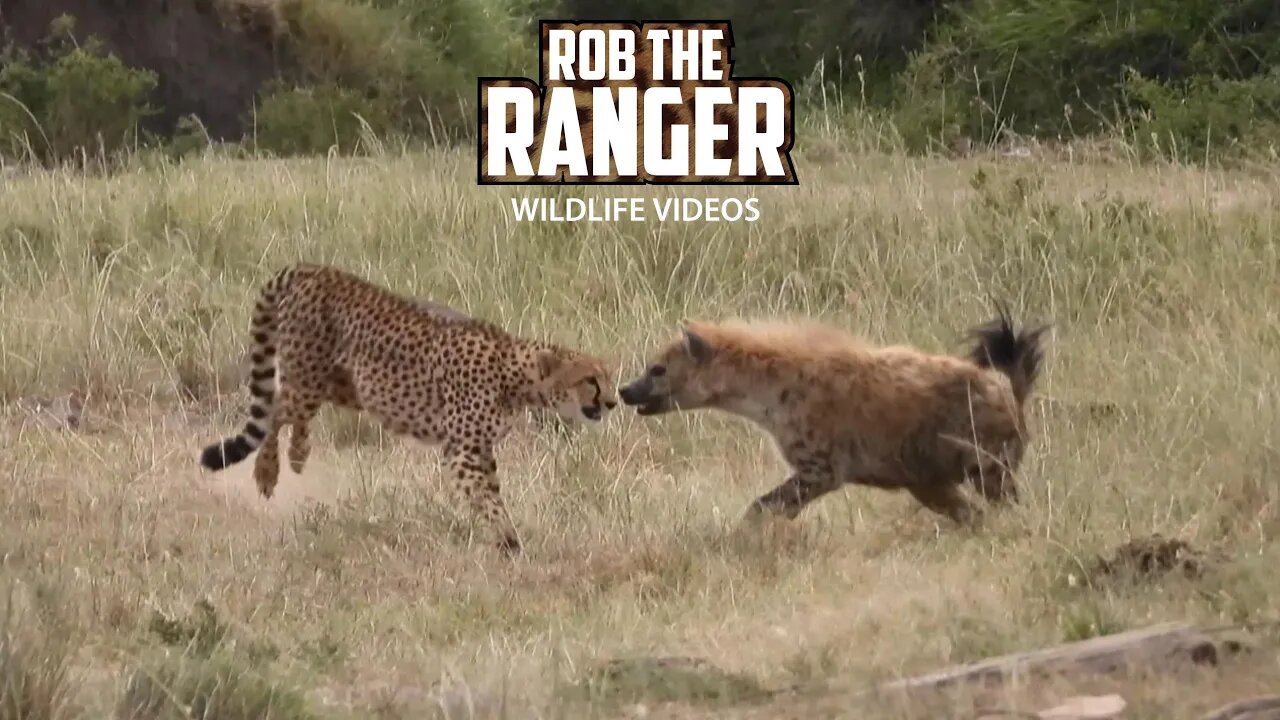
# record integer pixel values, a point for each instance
(262, 380)
(1016, 354)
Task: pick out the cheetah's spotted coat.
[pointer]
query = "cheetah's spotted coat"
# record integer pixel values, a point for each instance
(323, 335)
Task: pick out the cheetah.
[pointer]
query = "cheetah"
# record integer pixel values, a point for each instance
(844, 412)
(543, 419)
(323, 335)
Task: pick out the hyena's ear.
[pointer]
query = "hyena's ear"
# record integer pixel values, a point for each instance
(699, 349)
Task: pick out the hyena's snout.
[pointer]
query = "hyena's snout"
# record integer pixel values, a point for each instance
(635, 393)
(644, 397)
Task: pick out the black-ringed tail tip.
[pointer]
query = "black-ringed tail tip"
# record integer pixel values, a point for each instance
(262, 380)
(228, 452)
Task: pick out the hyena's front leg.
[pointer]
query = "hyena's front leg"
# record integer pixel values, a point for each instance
(944, 498)
(475, 481)
(788, 499)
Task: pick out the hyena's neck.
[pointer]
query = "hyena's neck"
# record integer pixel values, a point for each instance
(759, 393)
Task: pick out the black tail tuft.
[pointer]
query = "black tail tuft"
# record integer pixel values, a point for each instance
(1016, 354)
(262, 378)
(228, 452)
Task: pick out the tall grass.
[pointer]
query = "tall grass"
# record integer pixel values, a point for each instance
(1156, 415)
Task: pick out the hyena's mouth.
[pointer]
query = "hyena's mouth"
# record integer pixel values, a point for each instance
(653, 406)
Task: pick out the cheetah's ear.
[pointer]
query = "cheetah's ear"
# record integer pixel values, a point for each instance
(699, 349)
(548, 363)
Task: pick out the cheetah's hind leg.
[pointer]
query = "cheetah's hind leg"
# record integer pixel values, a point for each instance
(266, 466)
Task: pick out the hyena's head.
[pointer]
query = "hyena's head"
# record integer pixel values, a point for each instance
(579, 388)
(681, 376)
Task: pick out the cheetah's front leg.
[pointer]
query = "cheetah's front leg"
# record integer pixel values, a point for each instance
(475, 480)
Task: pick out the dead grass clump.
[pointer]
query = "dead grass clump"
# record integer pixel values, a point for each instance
(218, 687)
(665, 680)
(1151, 556)
(35, 665)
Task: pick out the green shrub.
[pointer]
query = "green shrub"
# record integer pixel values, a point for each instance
(1187, 77)
(79, 100)
(1208, 116)
(1065, 67)
(407, 67)
(853, 43)
(480, 37)
(189, 137)
(310, 120)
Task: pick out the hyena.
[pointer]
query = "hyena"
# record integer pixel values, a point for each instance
(842, 411)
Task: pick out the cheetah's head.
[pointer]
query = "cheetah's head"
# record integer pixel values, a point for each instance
(679, 377)
(579, 388)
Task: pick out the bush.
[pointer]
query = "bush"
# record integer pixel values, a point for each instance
(405, 67)
(310, 120)
(792, 40)
(78, 100)
(1065, 67)
(1183, 76)
(1209, 116)
(480, 37)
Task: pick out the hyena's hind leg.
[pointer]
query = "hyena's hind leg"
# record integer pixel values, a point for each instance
(944, 498)
(993, 474)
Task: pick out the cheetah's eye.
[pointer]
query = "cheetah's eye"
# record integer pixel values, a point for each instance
(658, 370)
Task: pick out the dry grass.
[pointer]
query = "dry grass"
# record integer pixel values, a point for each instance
(354, 594)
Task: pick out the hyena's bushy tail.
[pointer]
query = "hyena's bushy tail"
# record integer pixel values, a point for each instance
(262, 379)
(1015, 353)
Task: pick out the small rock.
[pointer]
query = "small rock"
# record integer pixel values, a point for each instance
(459, 702)
(1086, 707)
(1265, 707)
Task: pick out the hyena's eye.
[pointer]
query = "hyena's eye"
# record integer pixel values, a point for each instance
(658, 371)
